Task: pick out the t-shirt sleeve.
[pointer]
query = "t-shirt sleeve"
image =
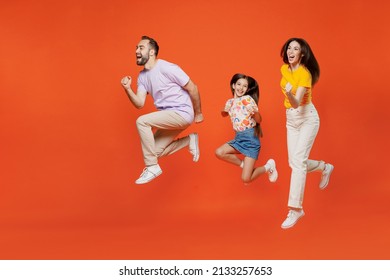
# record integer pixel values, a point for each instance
(228, 105)
(304, 78)
(140, 84)
(251, 104)
(283, 81)
(176, 74)
(254, 105)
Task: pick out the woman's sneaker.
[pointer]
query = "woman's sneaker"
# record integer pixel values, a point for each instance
(292, 218)
(326, 175)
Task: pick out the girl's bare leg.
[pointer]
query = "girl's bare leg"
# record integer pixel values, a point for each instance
(229, 154)
(249, 173)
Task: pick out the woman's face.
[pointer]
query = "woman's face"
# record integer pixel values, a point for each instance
(294, 53)
(240, 87)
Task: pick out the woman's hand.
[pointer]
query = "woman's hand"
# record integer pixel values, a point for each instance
(288, 87)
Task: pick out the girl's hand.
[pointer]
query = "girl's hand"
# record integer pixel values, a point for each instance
(227, 108)
(251, 110)
(224, 113)
(257, 117)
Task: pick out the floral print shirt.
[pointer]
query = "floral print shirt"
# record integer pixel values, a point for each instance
(240, 111)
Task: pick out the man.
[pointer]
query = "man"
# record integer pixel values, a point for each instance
(177, 100)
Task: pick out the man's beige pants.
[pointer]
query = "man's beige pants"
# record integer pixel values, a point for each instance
(168, 125)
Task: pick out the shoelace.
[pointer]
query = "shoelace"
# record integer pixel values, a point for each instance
(145, 172)
(291, 213)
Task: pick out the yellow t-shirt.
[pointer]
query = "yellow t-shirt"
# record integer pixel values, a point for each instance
(300, 77)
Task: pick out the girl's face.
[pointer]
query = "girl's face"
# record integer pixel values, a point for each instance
(294, 53)
(240, 87)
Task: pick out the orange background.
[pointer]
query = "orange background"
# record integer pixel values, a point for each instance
(69, 150)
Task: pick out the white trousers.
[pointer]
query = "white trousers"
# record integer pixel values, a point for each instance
(168, 125)
(302, 127)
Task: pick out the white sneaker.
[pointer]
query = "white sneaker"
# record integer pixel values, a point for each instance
(194, 146)
(272, 172)
(148, 174)
(326, 175)
(292, 218)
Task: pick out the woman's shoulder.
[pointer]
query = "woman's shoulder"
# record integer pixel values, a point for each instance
(303, 69)
(284, 68)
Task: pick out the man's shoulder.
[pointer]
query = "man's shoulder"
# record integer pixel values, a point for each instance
(165, 63)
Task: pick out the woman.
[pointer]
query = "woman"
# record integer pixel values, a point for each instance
(299, 74)
(245, 117)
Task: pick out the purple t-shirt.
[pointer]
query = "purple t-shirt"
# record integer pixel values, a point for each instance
(165, 83)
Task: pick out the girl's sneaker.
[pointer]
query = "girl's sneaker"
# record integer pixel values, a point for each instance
(272, 172)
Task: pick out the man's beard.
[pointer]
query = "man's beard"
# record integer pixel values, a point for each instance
(143, 60)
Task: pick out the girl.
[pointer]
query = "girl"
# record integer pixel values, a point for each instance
(299, 73)
(245, 117)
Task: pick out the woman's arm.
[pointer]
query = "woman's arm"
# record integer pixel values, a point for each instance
(295, 100)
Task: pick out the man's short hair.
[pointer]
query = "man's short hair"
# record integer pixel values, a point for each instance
(152, 43)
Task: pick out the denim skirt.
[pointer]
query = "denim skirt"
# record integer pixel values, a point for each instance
(247, 143)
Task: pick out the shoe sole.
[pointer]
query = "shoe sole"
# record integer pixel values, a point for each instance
(151, 179)
(196, 157)
(327, 182)
(290, 226)
(274, 174)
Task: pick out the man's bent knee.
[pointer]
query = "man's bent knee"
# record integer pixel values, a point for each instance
(140, 121)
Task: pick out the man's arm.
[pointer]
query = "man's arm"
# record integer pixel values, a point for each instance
(138, 99)
(192, 90)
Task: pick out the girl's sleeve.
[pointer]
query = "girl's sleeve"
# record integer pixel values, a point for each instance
(252, 106)
(228, 105)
